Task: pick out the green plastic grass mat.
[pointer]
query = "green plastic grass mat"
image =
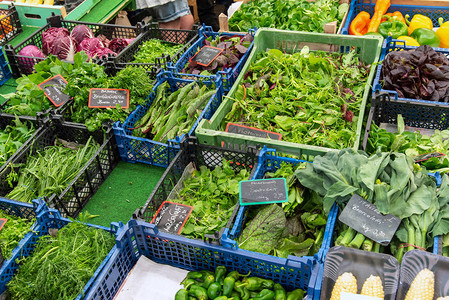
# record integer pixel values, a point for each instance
(126, 189)
(27, 31)
(9, 86)
(104, 9)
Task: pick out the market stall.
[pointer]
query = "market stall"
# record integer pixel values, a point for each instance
(299, 153)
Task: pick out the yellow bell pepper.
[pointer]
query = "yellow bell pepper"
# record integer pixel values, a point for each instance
(443, 33)
(409, 41)
(418, 21)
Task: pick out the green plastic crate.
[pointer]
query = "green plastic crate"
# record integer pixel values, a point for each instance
(368, 48)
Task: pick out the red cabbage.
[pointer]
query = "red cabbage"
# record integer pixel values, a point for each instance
(64, 48)
(80, 33)
(50, 35)
(104, 40)
(99, 52)
(28, 63)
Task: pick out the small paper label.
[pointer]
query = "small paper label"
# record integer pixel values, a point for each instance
(351, 296)
(364, 217)
(263, 191)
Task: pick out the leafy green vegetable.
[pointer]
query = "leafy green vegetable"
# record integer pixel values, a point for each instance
(393, 183)
(60, 266)
(13, 232)
(412, 144)
(309, 98)
(262, 233)
(172, 113)
(213, 195)
(288, 14)
(152, 49)
(304, 221)
(12, 137)
(50, 170)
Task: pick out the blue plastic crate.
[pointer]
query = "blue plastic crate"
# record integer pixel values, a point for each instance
(229, 75)
(388, 46)
(139, 238)
(136, 149)
(269, 161)
(433, 12)
(46, 219)
(5, 72)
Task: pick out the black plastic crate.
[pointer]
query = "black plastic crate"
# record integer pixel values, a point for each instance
(38, 124)
(199, 155)
(417, 114)
(152, 31)
(21, 64)
(76, 195)
(10, 25)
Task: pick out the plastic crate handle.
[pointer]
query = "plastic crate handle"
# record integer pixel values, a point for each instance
(226, 241)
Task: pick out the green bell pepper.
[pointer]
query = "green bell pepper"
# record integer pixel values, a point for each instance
(426, 36)
(392, 27)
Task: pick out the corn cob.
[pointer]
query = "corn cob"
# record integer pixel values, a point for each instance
(373, 287)
(346, 282)
(422, 287)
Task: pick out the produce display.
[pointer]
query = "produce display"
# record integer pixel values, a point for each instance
(393, 183)
(234, 47)
(81, 76)
(310, 16)
(347, 282)
(412, 144)
(50, 170)
(12, 232)
(415, 32)
(60, 266)
(171, 115)
(420, 73)
(295, 228)
(213, 195)
(64, 44)
(152, 49)
(311, 98)
(12, 137)
(220, 285)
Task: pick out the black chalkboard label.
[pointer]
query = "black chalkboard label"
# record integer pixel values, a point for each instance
(263, 191)
(427, 156)
(206, 55)
(245, 130)
(171, 217)
(2, 259)
(53, 88)
(366, 219)
(108, 98)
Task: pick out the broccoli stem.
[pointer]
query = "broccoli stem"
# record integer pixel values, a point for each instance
(411, 238)
(367, 245)
(347, 238)
(357, 241)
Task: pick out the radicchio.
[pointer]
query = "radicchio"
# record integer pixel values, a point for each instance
(80, 33)
(50, 35)
(117, 45)
(64, 48)
(28, 63)
(90, 45)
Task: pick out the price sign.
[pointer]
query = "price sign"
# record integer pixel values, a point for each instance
(171, 217)
(263, 191)
(364, 217)
(245, 130)
(2, 222)
(53, 88)
(206, 55)
(108, 98)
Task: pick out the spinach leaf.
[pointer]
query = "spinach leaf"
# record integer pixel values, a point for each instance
(262, 233)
